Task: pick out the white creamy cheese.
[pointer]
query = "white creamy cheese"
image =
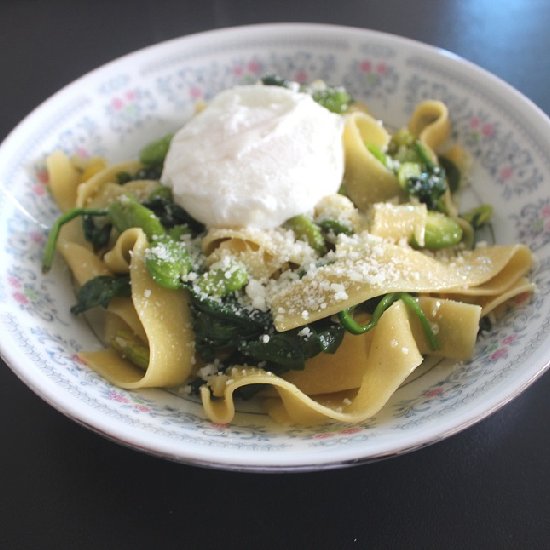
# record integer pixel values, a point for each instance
(256, 156)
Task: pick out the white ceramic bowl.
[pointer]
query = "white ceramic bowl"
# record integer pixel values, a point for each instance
(116, 109)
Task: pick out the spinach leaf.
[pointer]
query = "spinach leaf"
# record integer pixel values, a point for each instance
(152, 172)
(220, 324)
(224, 327)
(99, 291)
(275, 80)
(289, 350)
(98, 235)
(171, 214)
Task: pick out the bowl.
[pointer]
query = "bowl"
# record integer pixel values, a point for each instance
(115, 110)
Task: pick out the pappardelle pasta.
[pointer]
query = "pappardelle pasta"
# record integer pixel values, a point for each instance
(322, 316)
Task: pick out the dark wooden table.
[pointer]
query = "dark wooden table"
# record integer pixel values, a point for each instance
(62, 486)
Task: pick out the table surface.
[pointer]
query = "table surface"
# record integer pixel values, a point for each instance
(62, 486)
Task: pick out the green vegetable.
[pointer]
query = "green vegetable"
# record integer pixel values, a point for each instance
(152, 172)
(401, 138)
(441, 232)
(274, 80)
(170, 214)
(424, 155)
(100, 290)
(154, 153)
(98, 235)
(378, 154)
(161, 192)
(220, 324)
(167, 261)
(290, 350)
(351, 325)
(478, 217)
(126, 212)
(452, 173)
(412, 304)
(177, 232)
(220, 282)
(307, 230)
(129, 346)
(49, 249)
(407, 171)
(335, 227)
(226, 330)
(336, 100)
(123, 177)
(429, 187)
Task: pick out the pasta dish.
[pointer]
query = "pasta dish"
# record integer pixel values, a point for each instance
(285, 245)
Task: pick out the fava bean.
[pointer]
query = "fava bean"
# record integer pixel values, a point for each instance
(126, 212)
(307, 230)
(220, 282)
(155, 152)
(167, 261)
(130, 347)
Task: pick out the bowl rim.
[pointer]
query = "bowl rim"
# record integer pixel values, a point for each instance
(256, 462)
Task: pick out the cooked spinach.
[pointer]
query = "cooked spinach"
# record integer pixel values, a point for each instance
(97, 234)
(171, 214)
(452, 173)
(274, 80)
(220, 323)
(223, 327)
(289, 350)
(100, 290)
(153, 172)
(428, 187)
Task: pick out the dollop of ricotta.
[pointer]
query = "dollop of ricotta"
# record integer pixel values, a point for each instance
(254, 157)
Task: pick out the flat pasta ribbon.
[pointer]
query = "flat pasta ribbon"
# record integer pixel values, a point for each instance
(366, 266)
(165, 317)
(88, 190)
(431, 124)
(367, 180)
(397, 222)
(456, 324)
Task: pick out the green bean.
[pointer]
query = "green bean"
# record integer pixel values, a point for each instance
(306, 230)
(167, 261)
(130, 347)
(351, 325)
(220, 282)
(161, 192)
(155, 152)
(413, 305)
(440, 232)
(49, 249)
(126, 212)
